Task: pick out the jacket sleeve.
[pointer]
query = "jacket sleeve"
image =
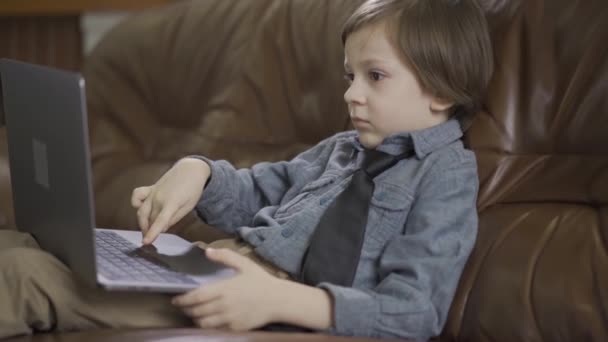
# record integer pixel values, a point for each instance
(420, 269)
(232, 197)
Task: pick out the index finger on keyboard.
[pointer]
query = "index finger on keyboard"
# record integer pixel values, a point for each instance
(159, 225)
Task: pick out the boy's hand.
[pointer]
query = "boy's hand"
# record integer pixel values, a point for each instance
(244, 302)
(174, 195)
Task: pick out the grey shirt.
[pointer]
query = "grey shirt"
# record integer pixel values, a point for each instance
(421, 227)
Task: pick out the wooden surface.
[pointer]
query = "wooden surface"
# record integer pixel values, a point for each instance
(48, 32)
(184, 335)
(48, 40)
(63, 7)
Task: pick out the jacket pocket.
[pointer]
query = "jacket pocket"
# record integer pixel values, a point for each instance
(388, 212)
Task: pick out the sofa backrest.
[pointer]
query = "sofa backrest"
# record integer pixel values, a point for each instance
(540, 268)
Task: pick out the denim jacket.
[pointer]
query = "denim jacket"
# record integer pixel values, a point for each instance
(421, 228)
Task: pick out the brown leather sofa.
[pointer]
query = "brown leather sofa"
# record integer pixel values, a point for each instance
(261, 80)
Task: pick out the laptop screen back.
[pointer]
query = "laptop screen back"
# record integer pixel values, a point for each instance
(45, 113)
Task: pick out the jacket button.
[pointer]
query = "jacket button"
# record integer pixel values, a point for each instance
(286, 232)
(323, 200)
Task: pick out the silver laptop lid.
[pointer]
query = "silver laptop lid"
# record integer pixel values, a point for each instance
(47, 130)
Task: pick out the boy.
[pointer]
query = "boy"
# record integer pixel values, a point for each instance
(414, 68)
(417, 70)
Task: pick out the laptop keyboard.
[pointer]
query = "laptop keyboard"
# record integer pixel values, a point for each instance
(119, 259)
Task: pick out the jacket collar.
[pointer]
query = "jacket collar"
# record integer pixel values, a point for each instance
(423, 142)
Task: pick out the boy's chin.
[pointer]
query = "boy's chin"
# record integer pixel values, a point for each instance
(369, 140)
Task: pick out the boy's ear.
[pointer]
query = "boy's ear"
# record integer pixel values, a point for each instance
(440, 105)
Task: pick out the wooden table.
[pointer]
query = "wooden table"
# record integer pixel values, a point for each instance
(48, 31)
(184, 335)
(74, 7)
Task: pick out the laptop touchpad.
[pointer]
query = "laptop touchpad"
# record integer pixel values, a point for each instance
(193, 261)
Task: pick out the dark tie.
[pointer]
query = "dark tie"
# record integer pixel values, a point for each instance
(335, 246)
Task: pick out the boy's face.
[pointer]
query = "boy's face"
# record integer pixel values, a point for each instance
(384, 96)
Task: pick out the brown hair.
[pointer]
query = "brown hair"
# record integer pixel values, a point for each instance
(445, 42)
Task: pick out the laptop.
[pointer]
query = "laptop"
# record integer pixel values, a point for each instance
(46, 121)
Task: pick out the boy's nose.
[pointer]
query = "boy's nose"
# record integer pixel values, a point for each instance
(353, 95)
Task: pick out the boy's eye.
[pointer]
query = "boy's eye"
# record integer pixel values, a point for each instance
(349, 77)
(375, 76)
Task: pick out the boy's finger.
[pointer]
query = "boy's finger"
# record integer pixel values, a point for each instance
(212, 307)
(159, 224)
(154, 211)
(228, 257)
(143, 215)
(212, 322)
(139, 196)
(197, 296)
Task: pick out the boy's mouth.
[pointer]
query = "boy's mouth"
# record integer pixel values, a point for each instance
(358, 121)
